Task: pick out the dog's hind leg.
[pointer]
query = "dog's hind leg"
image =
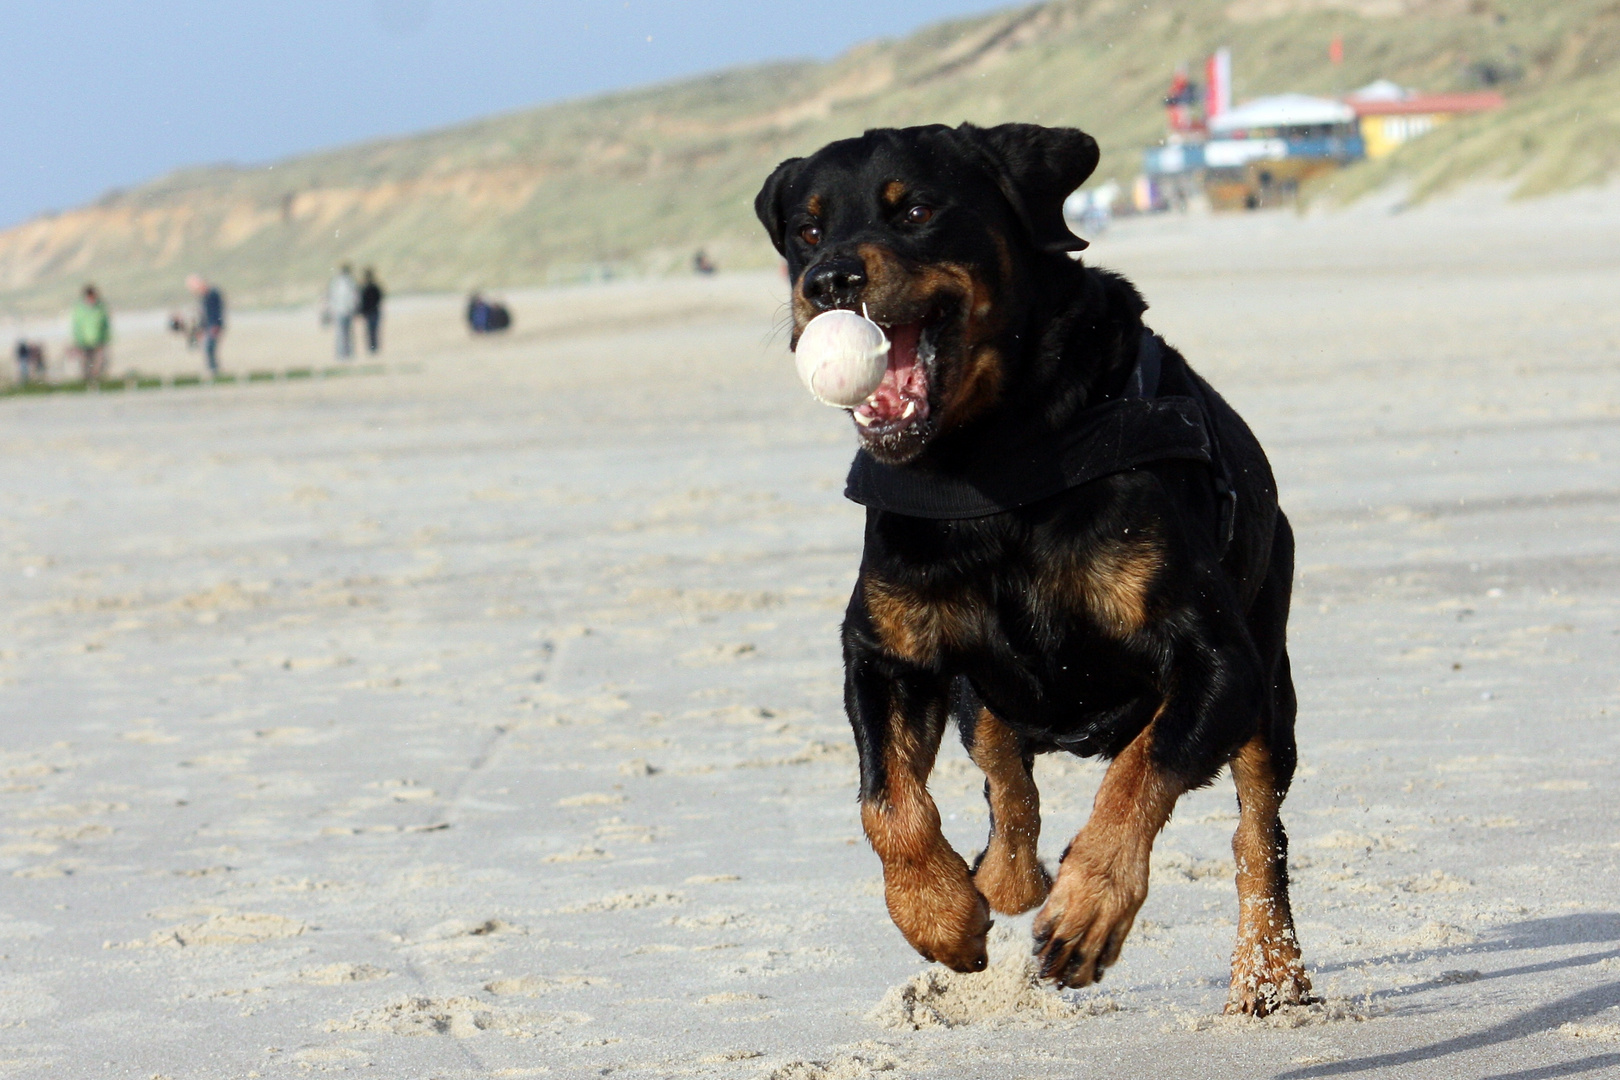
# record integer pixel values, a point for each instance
(1267, 971)
(1009, 872)
(1266, 967)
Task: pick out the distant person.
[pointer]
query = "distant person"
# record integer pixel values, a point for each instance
(342, 303)
(30, 361)
(371, 300)
(702, 264)
(92, 332)
(486, 316)
(1095, 219)
(210, 322)
(478, 313)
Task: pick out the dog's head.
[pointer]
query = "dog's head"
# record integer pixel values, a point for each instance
(934, 232)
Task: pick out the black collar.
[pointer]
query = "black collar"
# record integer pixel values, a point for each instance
(1031, 465)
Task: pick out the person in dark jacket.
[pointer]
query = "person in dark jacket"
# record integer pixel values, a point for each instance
(30, 361)
(210, 318)
(371, 299)
(478, 313)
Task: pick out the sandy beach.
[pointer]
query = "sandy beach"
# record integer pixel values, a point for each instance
(482, 718)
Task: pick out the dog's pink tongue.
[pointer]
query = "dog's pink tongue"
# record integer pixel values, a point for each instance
(904, 380)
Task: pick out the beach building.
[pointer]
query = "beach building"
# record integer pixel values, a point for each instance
(1259, 153)
(1389, 114)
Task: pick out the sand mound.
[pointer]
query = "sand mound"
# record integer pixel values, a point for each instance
(625, 901)
(338, 974)
(242, 928)
(461, 1017)
(534, 985)
(461, 928)
(863, 1061)
(1329, 1011)
(1006, 991)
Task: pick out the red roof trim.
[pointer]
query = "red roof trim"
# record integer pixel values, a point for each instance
(1430, 103)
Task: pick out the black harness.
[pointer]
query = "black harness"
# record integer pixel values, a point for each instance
(1035, 464)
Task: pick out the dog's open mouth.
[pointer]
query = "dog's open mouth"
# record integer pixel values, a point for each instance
(900, 403)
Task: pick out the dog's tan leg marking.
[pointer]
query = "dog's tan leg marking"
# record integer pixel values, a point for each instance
(915, 629)
(1266, 968)
(928, 887)
(1009, 874)
(905, 627)
(1104, 875)
(1116, 581)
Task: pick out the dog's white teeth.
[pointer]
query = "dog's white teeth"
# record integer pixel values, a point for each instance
(863, 420)
(911, 407)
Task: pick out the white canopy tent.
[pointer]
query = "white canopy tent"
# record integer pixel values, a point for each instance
(1282, 110)
(1381, 90)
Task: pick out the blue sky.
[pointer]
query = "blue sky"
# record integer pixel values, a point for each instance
(103, 95)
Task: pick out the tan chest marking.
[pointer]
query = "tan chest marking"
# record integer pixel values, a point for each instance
(914, 628)
(1112, 583)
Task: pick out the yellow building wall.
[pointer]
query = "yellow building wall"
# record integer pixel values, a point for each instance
(1382, 135)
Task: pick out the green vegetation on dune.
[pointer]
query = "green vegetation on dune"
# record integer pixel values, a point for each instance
(137, 381)
(1549, 140)
(634, 182)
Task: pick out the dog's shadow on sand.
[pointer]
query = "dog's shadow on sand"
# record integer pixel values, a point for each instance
(1592, 928)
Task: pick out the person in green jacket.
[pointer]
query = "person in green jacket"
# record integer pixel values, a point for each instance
(92, 331)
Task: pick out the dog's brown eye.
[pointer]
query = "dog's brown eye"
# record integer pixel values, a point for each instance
(811, 234)
(919, 215)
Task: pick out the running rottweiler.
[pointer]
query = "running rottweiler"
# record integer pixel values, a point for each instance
(1072, 543)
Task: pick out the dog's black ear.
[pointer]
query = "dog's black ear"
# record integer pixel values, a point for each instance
(768, 204)
(1037, 168)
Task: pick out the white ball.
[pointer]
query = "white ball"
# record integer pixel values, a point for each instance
(841, 357)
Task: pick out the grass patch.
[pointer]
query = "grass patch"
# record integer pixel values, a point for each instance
(1548, 141)
(153, 382)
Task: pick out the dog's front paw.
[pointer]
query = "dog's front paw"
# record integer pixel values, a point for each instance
(1093, 904)
(941, 914)
(961, 946)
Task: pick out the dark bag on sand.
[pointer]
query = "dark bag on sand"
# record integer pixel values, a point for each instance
(499, 317)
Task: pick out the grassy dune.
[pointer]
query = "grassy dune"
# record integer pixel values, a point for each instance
(633, 182)
(1561, 136)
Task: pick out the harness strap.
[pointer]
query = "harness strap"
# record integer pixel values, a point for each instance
(1144, 380)
(1117, 435)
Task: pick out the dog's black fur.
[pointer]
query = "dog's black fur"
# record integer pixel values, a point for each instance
(1112, 619)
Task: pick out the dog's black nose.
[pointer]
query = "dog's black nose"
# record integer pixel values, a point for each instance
(836, 282)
